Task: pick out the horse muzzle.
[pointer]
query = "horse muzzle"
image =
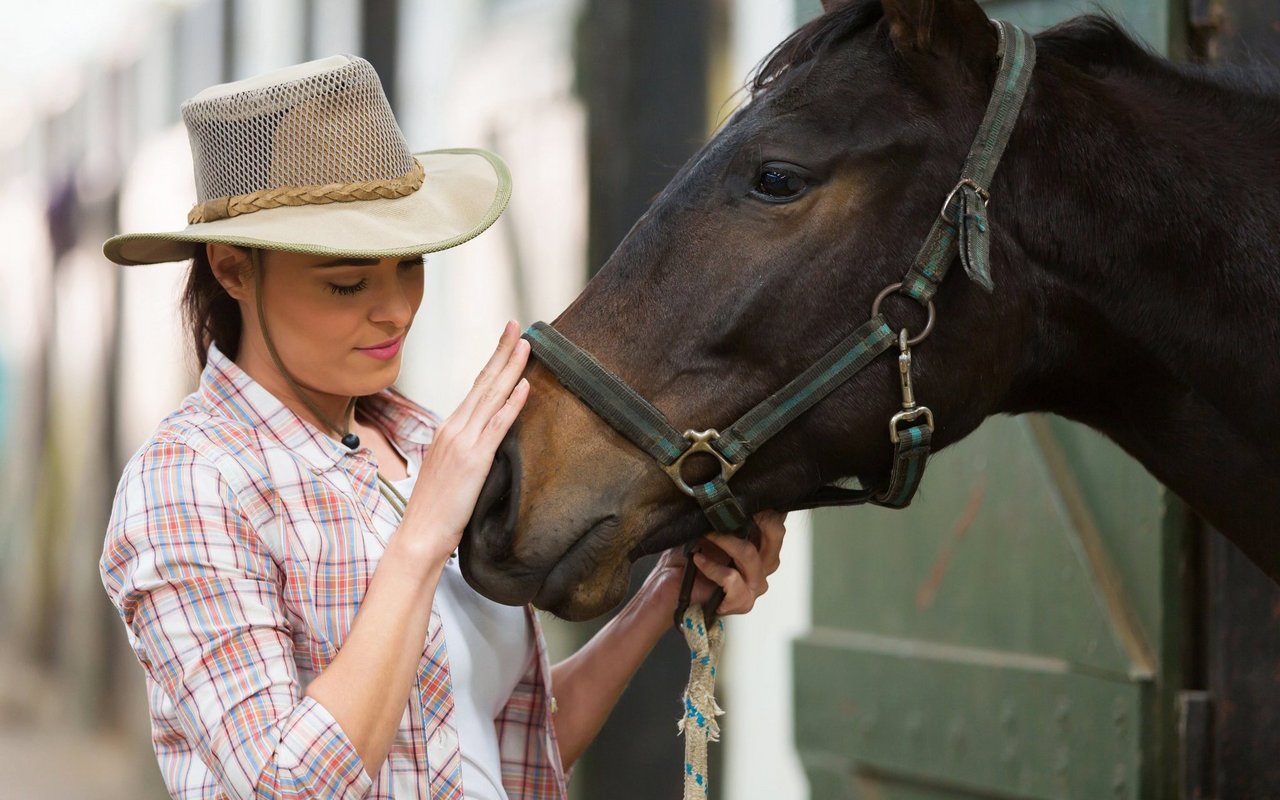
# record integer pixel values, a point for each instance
(561, 514)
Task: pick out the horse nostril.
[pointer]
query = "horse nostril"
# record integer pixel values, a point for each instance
(497, 507)
(510, 451)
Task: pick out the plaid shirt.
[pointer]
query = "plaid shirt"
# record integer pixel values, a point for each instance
(240, 545)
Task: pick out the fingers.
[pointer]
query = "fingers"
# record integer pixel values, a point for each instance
(746, 577)
(746, 558)
(463, 447)
(487, 386)
(504, 417)
(772, 527)
(738, 597)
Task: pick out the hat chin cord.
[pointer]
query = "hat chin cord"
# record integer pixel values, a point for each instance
(349, 439)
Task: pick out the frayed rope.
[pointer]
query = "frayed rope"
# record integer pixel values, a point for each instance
(699, 725)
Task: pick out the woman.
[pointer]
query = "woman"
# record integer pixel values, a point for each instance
(281, 549)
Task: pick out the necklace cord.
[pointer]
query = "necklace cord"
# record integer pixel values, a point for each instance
(255, 256)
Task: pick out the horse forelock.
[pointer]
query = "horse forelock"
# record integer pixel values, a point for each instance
(814, 39)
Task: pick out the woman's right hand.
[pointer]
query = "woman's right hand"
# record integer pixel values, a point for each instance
(462, 450)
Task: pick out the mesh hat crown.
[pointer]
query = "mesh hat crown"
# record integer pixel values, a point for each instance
(309, 158)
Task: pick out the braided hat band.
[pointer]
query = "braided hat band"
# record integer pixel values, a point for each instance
(225, 207)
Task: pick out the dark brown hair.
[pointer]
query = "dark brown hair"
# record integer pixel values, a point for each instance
(211, 315)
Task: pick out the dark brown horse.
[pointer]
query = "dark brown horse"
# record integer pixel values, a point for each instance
(1135, 254)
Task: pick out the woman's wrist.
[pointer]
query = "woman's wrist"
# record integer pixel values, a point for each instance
(422, 552)
(659, 594)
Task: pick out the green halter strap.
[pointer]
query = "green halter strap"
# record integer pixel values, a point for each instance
(962, 229)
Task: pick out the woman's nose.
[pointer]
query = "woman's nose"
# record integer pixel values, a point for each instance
(394, 307)
(395, 302)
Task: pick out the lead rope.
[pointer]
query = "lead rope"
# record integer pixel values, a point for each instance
(699, 725)
(703, 631)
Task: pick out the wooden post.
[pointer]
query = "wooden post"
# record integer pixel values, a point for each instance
(1237, 641)
(642, 73)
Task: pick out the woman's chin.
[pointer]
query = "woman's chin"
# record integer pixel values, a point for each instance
(365, 376)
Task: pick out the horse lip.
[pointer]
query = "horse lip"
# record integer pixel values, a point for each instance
(512, 582)
(501, 585)
(570, 561)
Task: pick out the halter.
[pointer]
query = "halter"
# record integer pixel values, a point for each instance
(962, 228)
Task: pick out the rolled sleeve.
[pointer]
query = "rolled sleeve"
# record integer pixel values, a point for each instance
(202, 600)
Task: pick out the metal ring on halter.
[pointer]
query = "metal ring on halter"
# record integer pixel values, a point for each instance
(983, 193)
(700, 442)
(928, 326)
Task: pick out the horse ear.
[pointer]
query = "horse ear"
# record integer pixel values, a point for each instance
(924, 26)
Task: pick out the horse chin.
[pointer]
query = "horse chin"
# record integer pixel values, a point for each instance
(585, 580)
(577, 590)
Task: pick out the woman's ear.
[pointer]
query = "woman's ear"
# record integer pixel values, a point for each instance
(232, 268)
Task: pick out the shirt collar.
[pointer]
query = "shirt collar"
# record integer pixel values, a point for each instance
(230, 392)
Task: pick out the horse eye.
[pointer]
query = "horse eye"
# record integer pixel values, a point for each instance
(776, 183)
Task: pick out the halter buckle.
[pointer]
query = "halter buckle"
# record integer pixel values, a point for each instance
(982, 193)
(699, 442)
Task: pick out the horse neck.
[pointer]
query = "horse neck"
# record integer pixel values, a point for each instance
(1155, 199)
(1150, 253)
(1096, 375)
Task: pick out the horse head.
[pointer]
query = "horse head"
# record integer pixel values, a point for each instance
(770, 246)
(764, 251)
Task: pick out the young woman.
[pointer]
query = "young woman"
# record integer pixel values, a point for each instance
(281, 549)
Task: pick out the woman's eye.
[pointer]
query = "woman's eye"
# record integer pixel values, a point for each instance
(777, 183)
(338, 288)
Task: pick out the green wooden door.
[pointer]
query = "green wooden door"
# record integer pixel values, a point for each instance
(1016, 632)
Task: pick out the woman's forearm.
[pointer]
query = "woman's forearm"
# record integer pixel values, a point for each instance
(368, 683)
(587, 685)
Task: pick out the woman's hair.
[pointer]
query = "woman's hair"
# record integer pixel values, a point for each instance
(211, 315)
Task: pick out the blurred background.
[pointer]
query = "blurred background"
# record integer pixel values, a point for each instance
(1045, 622)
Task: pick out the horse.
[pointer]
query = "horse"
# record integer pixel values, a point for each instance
(1135, 273)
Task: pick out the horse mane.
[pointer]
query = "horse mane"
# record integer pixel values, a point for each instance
(1095, 44)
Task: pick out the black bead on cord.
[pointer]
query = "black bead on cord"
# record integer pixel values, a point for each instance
(351, 441)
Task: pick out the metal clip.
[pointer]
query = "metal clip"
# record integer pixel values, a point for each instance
(910, 411)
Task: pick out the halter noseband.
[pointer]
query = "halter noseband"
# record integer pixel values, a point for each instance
(961, 229)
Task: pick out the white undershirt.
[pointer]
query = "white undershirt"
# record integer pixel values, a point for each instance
(490, 649)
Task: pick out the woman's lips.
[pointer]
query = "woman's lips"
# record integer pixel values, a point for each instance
(385, 351)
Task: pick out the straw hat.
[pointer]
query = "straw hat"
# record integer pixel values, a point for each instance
(309, 159)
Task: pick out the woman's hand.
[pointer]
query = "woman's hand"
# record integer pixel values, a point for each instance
(740, 566)
(589, 683)
(461, 452)
(367, 684)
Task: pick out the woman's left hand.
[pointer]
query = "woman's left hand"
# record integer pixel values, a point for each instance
(740, 566)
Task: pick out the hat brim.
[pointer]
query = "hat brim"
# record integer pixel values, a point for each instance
(463, 192)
